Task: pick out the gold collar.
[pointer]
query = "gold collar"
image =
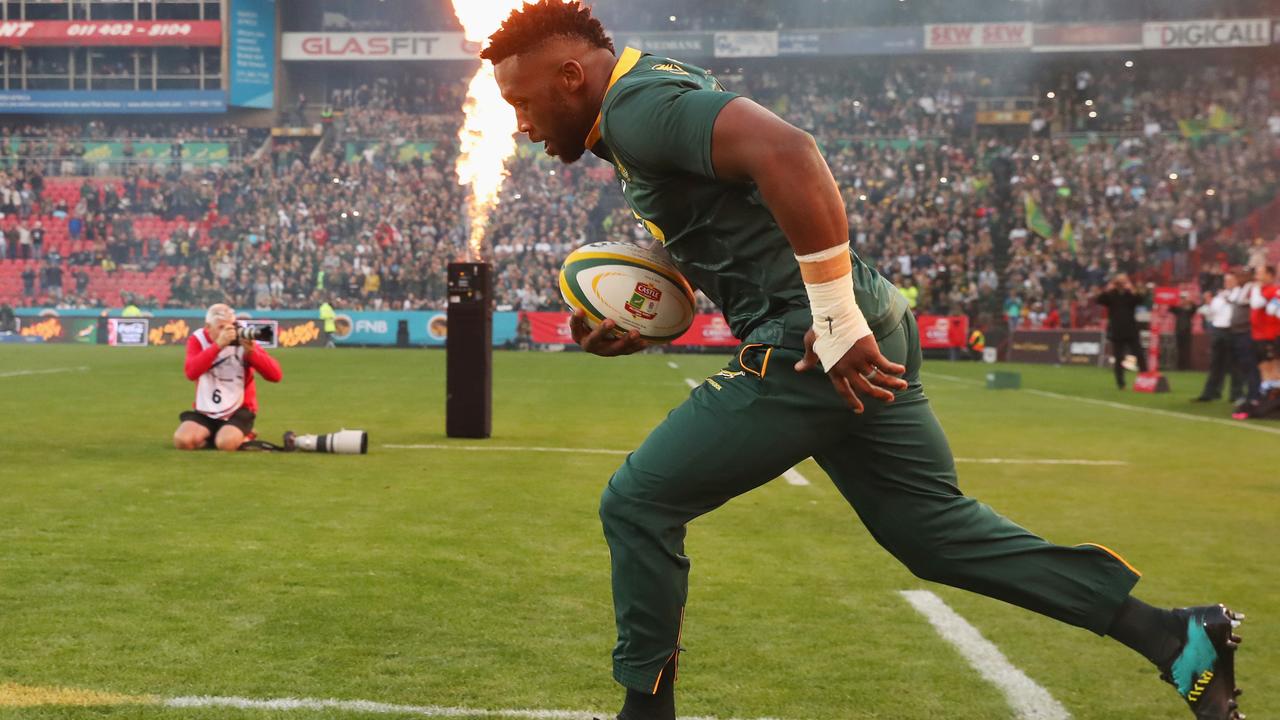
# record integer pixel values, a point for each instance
(626, 61)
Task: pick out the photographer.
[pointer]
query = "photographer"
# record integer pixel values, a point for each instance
(1122, 301)
(221, 361)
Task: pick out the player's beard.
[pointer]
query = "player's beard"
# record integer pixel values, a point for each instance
(570, 140)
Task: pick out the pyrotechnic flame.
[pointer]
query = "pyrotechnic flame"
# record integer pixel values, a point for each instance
(487, 135)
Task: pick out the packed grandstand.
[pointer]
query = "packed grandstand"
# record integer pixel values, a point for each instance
(1006, 191)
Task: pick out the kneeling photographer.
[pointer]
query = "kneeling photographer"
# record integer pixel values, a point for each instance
(221, 358)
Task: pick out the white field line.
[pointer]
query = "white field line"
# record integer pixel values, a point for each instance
(1041, 461)
(509, 448)
(48, 371)
(1028, 699)
(369, 706)
(691, 383)
(1241, 424)
(793, 476)
(950, 378)
(672, 365)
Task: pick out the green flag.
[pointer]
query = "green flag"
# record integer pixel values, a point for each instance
(1068, 236)
(1193, 129)
(1036, 221)
(1220, 119)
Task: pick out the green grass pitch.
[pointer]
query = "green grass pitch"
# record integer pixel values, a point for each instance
(480, 579)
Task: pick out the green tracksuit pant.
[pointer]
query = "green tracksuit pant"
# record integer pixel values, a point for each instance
(751, 422)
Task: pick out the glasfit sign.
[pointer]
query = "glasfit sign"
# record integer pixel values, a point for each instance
(378, 46)
(1207, 34)
(977, 36)
(64, 33)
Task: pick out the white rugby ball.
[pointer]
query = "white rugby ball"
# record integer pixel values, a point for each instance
(638, 289)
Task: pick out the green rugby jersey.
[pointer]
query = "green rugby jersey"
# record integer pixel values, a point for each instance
(655, 128)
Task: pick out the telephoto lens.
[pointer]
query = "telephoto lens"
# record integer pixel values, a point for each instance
(343, 442)
(259, 333)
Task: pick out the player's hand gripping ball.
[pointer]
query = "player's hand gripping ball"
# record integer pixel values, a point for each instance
(636, 288)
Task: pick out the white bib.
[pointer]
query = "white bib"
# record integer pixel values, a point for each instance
(220, 391)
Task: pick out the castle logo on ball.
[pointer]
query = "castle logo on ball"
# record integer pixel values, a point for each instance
(644, 301)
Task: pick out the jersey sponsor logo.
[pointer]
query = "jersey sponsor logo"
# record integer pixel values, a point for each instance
(644, 301)
(730, 374)
(671, 68)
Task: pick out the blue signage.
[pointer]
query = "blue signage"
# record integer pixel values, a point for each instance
(252, 53)
(354, 327)
(89, 102)
(426, 329)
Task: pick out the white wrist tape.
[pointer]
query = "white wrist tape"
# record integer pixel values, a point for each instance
(838, 323)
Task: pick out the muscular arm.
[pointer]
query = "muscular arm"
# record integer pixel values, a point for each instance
(751, 144)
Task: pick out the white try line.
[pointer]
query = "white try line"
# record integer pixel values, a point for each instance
(1240, 424)
(47, 371)
(1029, 700)
(792, 476)
(371, 707)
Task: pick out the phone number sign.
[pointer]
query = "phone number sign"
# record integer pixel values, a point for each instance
(63, 33)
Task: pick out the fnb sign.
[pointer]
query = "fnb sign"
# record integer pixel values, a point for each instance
(977, 36)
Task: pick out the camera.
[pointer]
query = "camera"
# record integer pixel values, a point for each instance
(259, 333)
(343, 442)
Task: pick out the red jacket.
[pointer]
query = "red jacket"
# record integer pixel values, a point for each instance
(200, 360)
(1265, 327)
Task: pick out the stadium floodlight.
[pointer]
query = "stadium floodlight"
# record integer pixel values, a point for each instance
(672, 18)
(1036, 157)
(1088, 103)
(1093, 113)
(1173, 176)
(1051, 95)
(1210, 192)
(1128, 63)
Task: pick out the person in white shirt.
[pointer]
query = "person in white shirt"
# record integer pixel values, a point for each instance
(1219, 311)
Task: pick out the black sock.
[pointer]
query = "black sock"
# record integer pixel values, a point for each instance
(656, 706)
(1154, 633)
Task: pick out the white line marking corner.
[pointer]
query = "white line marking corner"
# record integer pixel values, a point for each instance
(1029, 700)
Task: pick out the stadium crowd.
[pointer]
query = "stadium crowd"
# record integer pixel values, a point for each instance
(367, 224)
(662, 15)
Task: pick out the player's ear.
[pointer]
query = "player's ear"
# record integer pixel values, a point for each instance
(572, 75)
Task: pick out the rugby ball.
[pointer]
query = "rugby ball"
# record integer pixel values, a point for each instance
(638, 289)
